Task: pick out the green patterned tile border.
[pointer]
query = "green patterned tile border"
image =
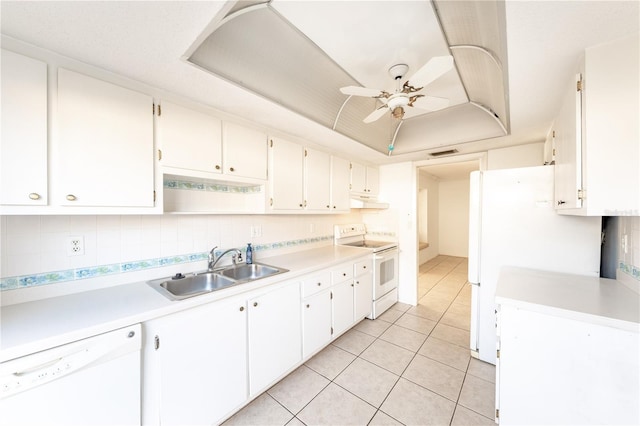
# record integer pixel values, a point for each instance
(631, 270)
(211, 187)
(34, 280)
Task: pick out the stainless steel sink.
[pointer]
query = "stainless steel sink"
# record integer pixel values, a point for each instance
(250, 272)
(181, 287)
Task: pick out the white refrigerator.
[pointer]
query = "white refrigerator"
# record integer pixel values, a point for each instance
(512, 221)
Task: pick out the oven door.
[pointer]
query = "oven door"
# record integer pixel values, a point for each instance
(385, 272)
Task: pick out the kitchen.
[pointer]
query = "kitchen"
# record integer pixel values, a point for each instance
(111, 240)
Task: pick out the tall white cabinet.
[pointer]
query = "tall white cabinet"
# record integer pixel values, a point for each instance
(23, 143)
(598, 134)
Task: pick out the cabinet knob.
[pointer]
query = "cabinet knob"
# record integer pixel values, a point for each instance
(217, 167)
(255, 304)
(561, 202)
(344, 274)
(334, 207)
(308, 305)
(34, 196)
(231, 169)
(300, 204)
(357, 282)
(71, 197)
(364, 267)
(328, 206)
(351, 284)
(241, 308)
(319, 284)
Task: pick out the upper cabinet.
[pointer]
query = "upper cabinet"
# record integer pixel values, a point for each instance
(23, 145)
(104, 154)
(597, 136)
(306, 180)
(364, 180)
(195, 143)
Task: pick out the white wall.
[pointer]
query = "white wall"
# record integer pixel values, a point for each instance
(528, 155)
(453, 208)
(399, 187)
(429, 219)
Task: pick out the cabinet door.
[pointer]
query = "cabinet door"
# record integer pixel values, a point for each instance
(189, 139)
(340, 197)
(568, 145)
(317, 170)
(286, 175)
(275, 342)
(203, 362)
(23, 145)
(244, 151)
(342, 307)
(316, 322)
(373, 181)
(358, 178)
(363, 295)
(105, 144)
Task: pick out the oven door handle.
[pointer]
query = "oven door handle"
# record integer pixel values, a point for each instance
(382, 254)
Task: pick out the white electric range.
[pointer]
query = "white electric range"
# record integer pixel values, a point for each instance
(385, 261)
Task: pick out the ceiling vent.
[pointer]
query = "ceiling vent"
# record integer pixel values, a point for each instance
(441, 153)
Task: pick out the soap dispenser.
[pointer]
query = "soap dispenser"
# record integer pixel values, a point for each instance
(249, 256)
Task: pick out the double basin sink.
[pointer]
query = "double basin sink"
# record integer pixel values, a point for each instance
(181, 286)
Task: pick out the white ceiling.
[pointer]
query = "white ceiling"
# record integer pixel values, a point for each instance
(145, 40)
(454, 171)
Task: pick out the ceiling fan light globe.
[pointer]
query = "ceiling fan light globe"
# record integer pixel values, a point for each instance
(397, 112)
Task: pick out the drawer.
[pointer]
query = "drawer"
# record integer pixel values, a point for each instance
(342, 273)
(316, 283)
(363, 266)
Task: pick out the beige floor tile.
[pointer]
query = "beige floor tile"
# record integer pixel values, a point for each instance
(382, 419)
(429, 312)
(414, 405)
(298, 388)
(453, 335)
(466, 417)
(478, 395)
(335, 406)
(264, 410)
(330, 361)
(388, 356)
(415, 323)
(403, 337)
(447, 353)
(390, 315)
(462, 321)
(372, 327)
(435, 376)
(354, 341)
(367, 381)
(459, 308)
(483, 370)
(295, 422)
(399, 306)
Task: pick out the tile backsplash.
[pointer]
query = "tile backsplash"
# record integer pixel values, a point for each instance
(629, 251)
(33, 249)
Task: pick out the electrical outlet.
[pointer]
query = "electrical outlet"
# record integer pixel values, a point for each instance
(75, 246)
(312, 228)
(256, 231)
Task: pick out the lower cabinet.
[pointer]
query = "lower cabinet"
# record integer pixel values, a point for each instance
(342, 306)
(316, 322)
(363, 295)
(275, 338)
(195, 364)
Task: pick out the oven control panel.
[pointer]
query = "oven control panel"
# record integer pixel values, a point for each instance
(353, 230)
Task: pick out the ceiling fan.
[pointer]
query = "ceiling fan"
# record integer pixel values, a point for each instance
(406, 95)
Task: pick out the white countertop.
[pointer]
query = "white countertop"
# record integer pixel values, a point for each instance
(34, 326)
(596, 300)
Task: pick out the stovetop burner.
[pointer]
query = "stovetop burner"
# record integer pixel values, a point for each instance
(354, 236)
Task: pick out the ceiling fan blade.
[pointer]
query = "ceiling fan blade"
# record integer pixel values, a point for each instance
(376, 115)
(433, 69)
(361, 91)
(431, 103)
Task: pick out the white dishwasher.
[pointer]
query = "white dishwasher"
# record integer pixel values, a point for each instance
(94, 381)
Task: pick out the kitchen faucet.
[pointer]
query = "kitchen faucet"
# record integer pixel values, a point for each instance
(213, 260)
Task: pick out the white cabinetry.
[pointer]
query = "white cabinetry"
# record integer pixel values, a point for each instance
(23, 144)
(363, 289)
(365, 179)
(304, 179)
(316, 322)
(195, 143)
(275, 342)
(598, 134)
(195, 368)
(343, 297)
(104, 145)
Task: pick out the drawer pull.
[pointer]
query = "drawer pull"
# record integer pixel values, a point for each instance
(255, 304)
(71, 197)
(231, 169)
(34, 196)
(319, 284)
(307, 305)
(241, 308)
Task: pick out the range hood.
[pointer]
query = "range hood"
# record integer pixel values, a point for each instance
(365, 202)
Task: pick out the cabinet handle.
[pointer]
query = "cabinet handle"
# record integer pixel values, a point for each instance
(344, 274)
(357, 282)
(334, 207)
(328, 206)
(71, 197)
(34, 196)
(300, 204)
(308, 305)
(255, 304)
(351, 284)
(217, 167)
(231, 169)
(561, 202)
(319, 284)
(241, 308)
(364, 267)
